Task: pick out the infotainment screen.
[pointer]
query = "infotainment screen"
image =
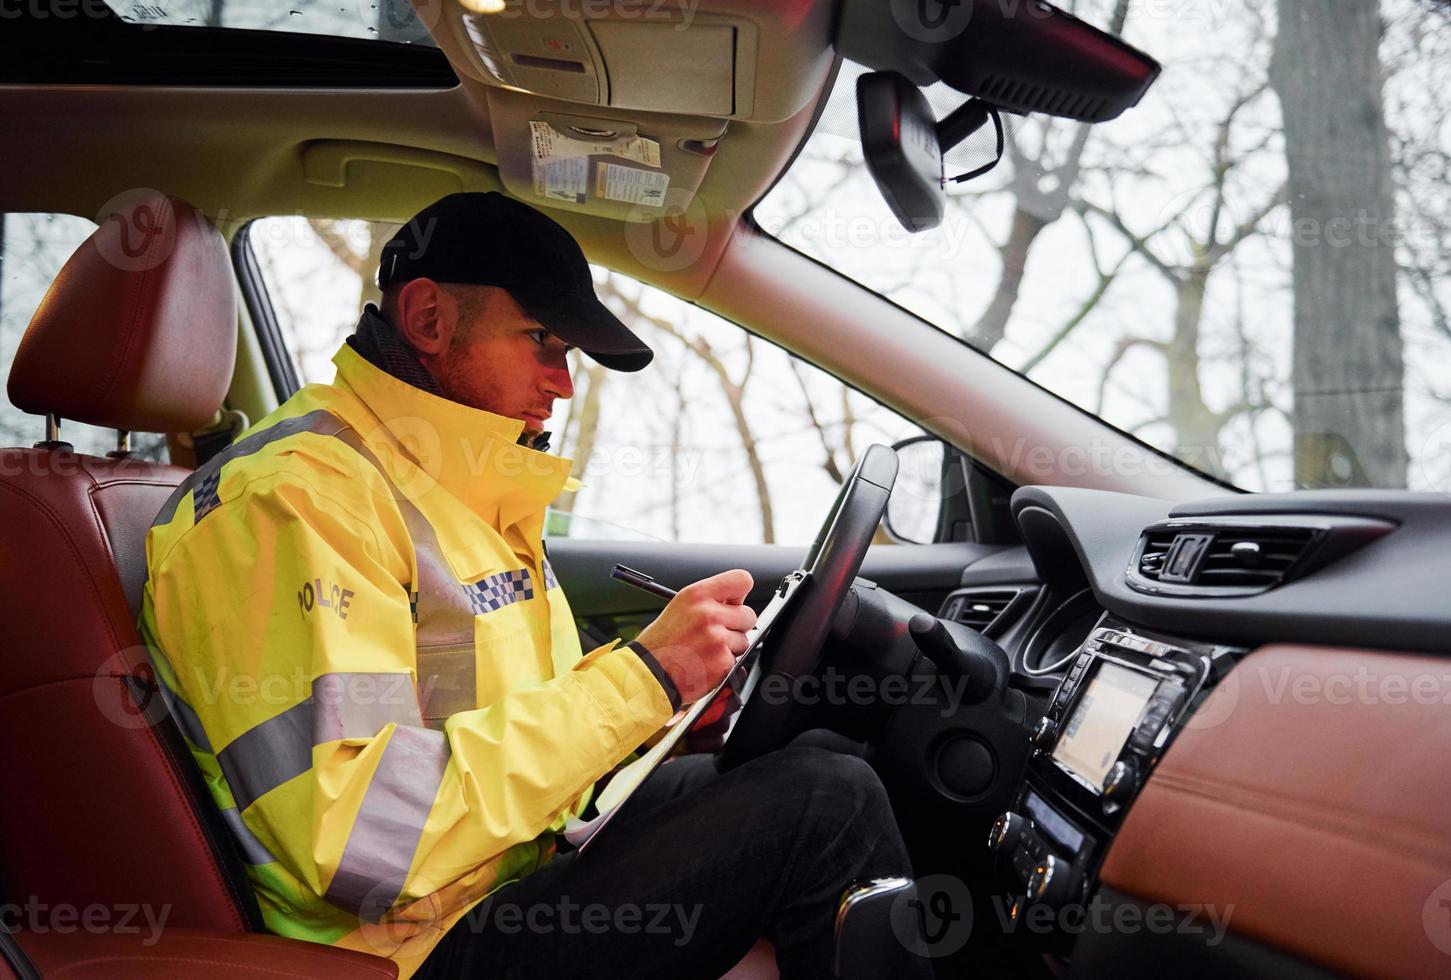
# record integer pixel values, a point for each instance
(1103, 719)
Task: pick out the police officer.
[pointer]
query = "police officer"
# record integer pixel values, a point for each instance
(370, 555)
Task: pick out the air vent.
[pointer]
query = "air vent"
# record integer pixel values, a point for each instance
(1253, 558)
(1155, 550)
(1216, 555)
(1220, 559)
(982, 611)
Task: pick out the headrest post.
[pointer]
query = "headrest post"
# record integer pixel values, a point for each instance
(123, 442)
(52, 427)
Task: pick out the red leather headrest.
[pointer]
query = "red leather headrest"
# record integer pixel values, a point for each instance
(139, 329)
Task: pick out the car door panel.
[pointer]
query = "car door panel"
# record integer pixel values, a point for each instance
(605, 608)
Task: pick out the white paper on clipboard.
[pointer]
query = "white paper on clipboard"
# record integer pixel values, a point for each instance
(619, 789)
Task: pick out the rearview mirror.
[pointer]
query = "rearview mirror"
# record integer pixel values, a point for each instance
(899, 142)
(1027, 57)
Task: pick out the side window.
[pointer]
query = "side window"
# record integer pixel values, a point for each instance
(33, 247)
(725, 438)
(319, 273)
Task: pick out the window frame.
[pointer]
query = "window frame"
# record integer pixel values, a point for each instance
(268, 329)
(982, 507)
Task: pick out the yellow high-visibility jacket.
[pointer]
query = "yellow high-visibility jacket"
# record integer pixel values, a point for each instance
(354, 623)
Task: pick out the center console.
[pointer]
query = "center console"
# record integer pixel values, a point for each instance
(1126, 695)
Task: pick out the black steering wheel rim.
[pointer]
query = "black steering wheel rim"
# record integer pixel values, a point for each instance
(792, 649)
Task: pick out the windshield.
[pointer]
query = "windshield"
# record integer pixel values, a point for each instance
(383, 20)
(1248, 270)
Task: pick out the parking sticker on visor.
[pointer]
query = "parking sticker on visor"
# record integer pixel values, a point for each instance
(630, 184)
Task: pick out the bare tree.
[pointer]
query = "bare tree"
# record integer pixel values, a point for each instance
(1348, 371)
(731, 386)
(364, 264)
(1041, 187)
(833, 462)
(1197, 427)
(583, 424)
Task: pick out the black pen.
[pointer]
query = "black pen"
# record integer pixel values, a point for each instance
(640, 580)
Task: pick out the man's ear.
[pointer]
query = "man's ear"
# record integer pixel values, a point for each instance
(427, 317)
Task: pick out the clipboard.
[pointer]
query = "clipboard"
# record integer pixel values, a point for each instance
(616, 794)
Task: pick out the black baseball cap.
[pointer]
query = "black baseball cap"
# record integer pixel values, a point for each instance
(489, 239)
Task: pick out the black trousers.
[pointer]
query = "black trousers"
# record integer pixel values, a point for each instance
(694, 870)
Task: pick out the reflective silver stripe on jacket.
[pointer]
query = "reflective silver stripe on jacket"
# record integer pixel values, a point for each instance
(341, 705)
(444, 636)
(186, 719)
(400, 795)
(385, 835)
(253, 850)
(206, 479)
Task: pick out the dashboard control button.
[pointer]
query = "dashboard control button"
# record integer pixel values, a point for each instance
(1043, 734)
(1064, 692)
(1051, 881)
(1007, 829)
(1121, 780)
(1142, 740)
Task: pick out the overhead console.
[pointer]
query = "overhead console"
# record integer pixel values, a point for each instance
(662, 64)
(617, 108)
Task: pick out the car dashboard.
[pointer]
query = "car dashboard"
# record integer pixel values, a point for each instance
(1240, 705)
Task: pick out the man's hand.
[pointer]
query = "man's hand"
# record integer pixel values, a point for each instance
(701, 632)
(709, 731)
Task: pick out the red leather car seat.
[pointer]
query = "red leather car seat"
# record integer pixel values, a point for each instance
(102, 806)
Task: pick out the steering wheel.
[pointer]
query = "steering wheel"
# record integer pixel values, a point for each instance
(792, 648)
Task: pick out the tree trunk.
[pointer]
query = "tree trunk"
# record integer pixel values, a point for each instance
(1348, 371)
(1196, 428)
(588, 415)
(990, 328)
(735, 396)
(1041, 190)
